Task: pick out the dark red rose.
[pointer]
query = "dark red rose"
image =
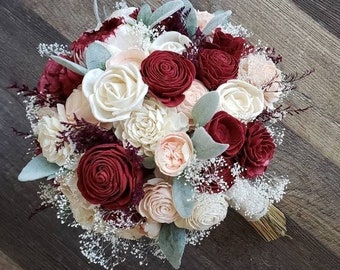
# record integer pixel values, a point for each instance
(107, 176)
(168, 75)
(257, 150)
(224, 128)
(107, 29)
(219, 177)
(226, 42)
(216, 67)
(58, 80)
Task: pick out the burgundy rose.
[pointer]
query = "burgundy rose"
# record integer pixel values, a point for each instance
(219, 180)
(216, 67)
(58, 80)
(107, 29)
(168, 75)
(224, 128)
(107, 176)
(226, 42)
(257, 150)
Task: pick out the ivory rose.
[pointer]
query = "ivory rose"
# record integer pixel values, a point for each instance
(48, 131)
(241, 99)
(263, 73)
(147, 125)
(170, 41)
(83, 211)
(114, 93)
(173, 153)
(192, 95)
(209, 210)
(157, 203)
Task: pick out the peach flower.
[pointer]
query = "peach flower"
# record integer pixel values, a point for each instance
(203, 18)
(262, 73)
(192, 95)
(134, 56)
(157, 203)
(173, 153)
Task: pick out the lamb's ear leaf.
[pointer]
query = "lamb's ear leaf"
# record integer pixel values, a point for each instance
(183, 197)
(144, 14)
(219, 19)
(96, 56)
(205, 108)
(70, 65)
(172, 243)
(164, 12)
(205, 146)
(37, 168)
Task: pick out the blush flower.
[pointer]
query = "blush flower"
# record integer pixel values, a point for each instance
(173, 153)
(157, 203)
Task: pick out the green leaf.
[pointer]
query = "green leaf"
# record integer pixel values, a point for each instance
(191, 20)
(217, 20)
(205, 146)
(149, 163)
(144, 14)
(205, 108)
(172, 243)
(96, 55)
(165, 11)
(183, 197)
(70, 65)
(37, 168)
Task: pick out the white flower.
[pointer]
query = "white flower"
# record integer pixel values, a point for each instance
(48, 131)
(170, 41)
(247, 200)
(114, 93)
(83, 212)
(241, 99)
(209, 210)
(149, 124)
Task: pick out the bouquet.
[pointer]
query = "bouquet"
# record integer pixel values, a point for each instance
(152, 125)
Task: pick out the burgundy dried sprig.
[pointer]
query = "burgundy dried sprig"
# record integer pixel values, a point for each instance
(279, 113)
(41, 98)
(293, 77)
(84, 135)
(270, 52)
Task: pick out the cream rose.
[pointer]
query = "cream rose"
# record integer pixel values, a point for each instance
(262, 73)
(170, 41)
(173, 153)
(157, 203)
(48, 131)
(247, 200)
(83, 212)
(114, 93)
(192, 95)
(149, 229)
(147, 125)
(209, 210)
(241, 99)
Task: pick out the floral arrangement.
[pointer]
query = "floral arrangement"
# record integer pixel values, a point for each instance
(152, 125)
